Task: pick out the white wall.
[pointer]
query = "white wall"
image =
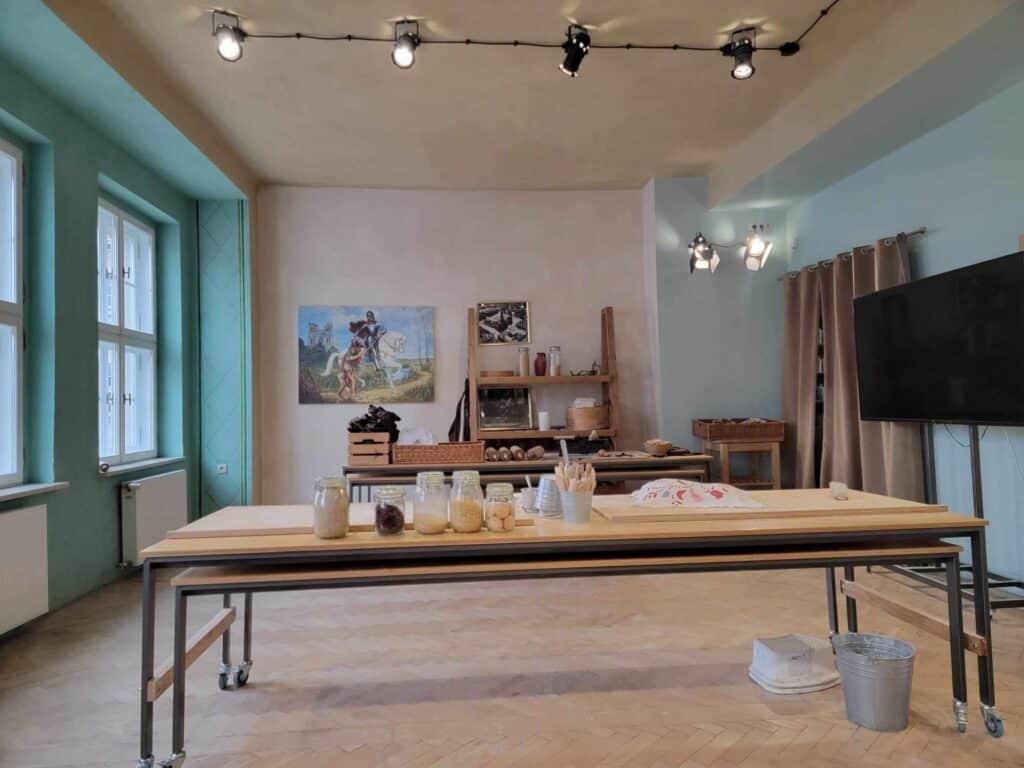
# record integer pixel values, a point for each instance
(568, 253)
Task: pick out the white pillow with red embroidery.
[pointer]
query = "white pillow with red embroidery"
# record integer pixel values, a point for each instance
(687, 493)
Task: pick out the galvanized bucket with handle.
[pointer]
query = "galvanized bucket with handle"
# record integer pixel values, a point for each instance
(876, 672)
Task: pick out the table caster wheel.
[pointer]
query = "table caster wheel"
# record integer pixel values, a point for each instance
(993, 722)
(222, 681)
(960, 715)
(242, 678)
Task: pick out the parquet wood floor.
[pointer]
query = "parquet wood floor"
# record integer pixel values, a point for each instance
(618, 672)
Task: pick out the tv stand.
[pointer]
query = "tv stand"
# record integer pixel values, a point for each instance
(923, 573)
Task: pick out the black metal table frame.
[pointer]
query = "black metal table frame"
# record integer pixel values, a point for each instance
(562, 549)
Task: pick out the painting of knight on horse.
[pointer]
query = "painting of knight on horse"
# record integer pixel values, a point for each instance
(357, 354)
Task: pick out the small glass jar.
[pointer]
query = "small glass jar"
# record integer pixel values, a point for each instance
(430, 514)
(389, 509)
(466, 507)
(500, 508)
(555, 361)
(330, 508)
(524, 361)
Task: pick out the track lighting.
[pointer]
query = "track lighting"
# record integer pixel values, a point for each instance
(576, 47)
(407, 40)
(756, 248)
(703, 255)
(742, 51)
(229, 34)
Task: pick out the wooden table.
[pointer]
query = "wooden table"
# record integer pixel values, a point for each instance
(242, 550)
(695, 466)
(729, 447)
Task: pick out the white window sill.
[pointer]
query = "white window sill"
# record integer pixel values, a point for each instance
(134, 466)
(30, 489)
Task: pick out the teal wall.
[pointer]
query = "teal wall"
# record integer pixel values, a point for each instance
(69, 162)
(720, 335)
(223, 322)
(964, 181)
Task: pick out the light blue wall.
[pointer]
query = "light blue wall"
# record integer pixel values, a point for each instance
(964, 181)
(719, 336)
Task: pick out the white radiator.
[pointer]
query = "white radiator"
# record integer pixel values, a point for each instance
(151, 507)
(24, 573)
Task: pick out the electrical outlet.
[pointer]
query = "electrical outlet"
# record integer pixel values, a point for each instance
(222, 469)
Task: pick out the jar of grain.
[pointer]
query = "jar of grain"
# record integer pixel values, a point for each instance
(524, 361)
(466, 508)
(430, 514)
(389, 509)
(330, 508)
(499, 508)
(555, 361)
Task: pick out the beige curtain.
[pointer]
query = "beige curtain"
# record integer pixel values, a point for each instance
(803, 316)
(881, 457)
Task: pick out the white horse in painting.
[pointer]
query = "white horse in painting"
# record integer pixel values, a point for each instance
(389, 347)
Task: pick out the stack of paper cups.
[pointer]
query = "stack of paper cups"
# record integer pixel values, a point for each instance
(576, 506)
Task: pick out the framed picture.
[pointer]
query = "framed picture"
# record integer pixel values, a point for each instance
(506, 408)
(366, 354)
(503, 322)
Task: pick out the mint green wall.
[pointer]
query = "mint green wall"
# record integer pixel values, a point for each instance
(223, 302)
(965, 182)
(68, 163)
(720, 335)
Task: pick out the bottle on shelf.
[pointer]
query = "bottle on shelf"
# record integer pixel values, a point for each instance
(524, 361)
(540, 364)
(555, 361)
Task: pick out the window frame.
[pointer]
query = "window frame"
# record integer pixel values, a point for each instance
(13, 314)
(123, 337)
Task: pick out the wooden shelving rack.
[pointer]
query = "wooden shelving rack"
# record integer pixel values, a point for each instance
(608, 379)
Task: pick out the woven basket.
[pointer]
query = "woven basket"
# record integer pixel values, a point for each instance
(442, 453)
(587, 418)
(738, 429)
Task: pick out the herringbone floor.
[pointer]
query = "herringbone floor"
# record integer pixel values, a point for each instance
(641, 671)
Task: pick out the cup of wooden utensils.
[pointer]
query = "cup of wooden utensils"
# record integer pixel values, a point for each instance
(576, 482)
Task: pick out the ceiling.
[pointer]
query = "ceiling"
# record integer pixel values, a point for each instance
(318, 113)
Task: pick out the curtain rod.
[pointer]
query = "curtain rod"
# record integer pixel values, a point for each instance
(795, 272)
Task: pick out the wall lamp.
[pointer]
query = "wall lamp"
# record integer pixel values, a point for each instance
(754, 251)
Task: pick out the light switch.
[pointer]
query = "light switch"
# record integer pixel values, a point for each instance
(222, 469)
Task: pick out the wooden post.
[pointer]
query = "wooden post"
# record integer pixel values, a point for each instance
(472, 372)
(609, 366)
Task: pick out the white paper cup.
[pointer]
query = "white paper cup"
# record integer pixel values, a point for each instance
(549, 502)
(543, 421)
(576, 506)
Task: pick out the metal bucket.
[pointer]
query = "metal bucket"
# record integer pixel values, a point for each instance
(876, 672)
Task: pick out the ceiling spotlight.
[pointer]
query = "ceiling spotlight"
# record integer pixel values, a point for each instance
(576, 47)
(407, 40)
(742, 48)
(703, 255)
(756, 248)
(229, 33)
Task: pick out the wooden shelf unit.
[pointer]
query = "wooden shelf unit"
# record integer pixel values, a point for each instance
(607, 379)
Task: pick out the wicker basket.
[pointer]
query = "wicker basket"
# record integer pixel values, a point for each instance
(442, 453)
(587, 418)
(738, 429)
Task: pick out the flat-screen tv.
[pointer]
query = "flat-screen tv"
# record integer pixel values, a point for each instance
(948, 348)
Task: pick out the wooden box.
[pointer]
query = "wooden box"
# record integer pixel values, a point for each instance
(442, 453)
(587, 418)
(369, 449)
(738, 429)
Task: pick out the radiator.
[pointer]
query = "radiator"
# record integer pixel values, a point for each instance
(24, 579)
(151, 507)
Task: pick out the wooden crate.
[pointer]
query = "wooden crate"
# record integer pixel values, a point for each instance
(442, 453)
(369, 449)
(738, 429)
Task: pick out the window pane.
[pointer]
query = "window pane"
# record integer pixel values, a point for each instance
(8, 227)
(138, 278)
(9, 448)
(109, 400)
(139, 407)
(106, 266)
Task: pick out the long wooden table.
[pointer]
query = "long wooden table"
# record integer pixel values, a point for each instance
(242, 550)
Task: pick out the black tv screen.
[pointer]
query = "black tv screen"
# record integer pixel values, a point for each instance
(948, 348)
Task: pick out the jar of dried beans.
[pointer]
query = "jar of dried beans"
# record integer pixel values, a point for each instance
(389, 509)
(499, 508)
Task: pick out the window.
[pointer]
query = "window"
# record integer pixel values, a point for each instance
(125, 267)
(11, 357)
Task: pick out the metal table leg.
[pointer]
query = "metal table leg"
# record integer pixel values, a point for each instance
(148, 652)
(177, 757)
(830, 595)
(983, 626)
(851, 604)
(225, 673)
(242, 676)
(956, 642)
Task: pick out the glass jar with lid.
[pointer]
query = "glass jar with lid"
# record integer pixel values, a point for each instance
(389, 509)
(555, 361)
(466, 507)
(500, 508)
(430, 513)
(330, 508)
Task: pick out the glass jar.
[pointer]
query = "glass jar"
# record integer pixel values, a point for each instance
(389, 509)
(430, 514)
(466, 508)
(500, 508)
(330, 508)
(555, 361)
(524, 361)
